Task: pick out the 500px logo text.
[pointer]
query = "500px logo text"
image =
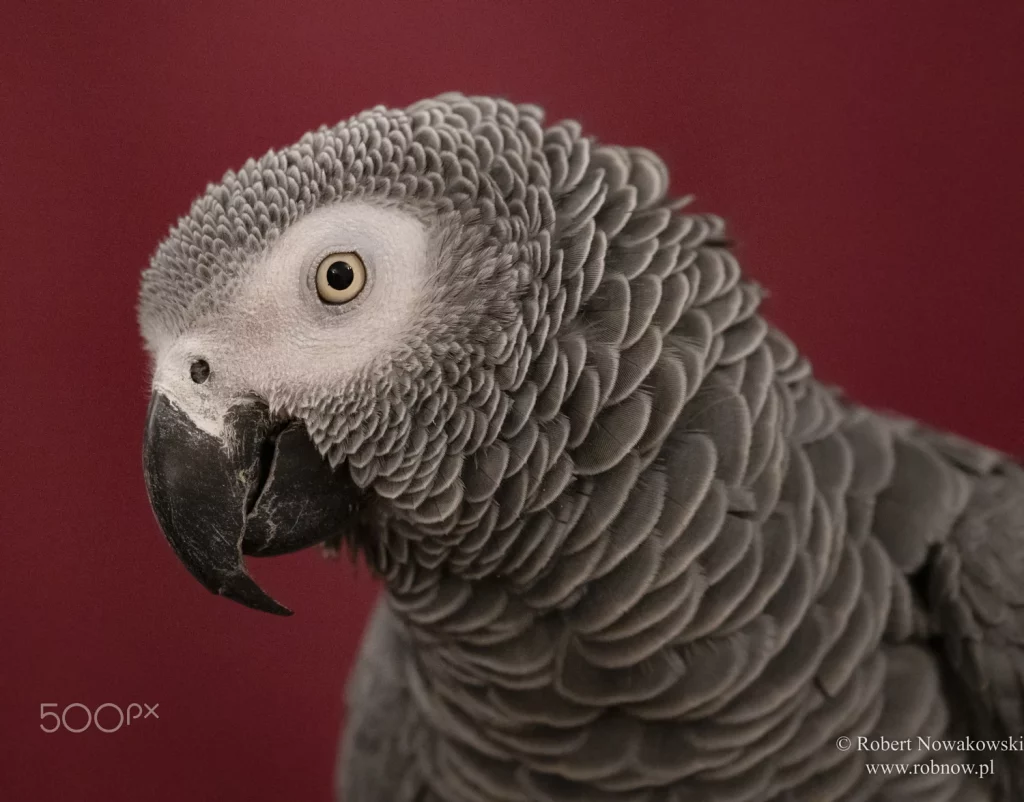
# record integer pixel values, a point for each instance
(107, 717)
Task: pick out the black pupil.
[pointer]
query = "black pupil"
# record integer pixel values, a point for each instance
(200, 371)
(340, 276)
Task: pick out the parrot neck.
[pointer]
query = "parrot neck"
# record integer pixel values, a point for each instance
(559, 597)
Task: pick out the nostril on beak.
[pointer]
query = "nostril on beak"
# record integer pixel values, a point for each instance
(200, 371)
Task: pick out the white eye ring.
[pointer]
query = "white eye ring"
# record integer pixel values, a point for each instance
(340, 277)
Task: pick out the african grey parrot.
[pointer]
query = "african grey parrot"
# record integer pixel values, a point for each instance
(633, 550)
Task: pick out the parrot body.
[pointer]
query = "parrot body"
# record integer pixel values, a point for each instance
(633, 550)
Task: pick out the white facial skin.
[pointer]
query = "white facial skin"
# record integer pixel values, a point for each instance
(277, 332)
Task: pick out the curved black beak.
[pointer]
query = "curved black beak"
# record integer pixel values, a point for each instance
(262, 489)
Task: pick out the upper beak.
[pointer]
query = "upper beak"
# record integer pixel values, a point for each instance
(263, 489)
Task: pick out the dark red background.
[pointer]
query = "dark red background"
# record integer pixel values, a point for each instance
(869, 156)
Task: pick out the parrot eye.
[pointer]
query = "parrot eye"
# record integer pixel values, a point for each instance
(340, 277)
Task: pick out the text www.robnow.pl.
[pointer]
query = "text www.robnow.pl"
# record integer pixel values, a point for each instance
(933, 767)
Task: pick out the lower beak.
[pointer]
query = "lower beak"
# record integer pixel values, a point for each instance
(262, 489)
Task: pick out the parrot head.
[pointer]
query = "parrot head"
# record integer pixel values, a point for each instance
(354, 338)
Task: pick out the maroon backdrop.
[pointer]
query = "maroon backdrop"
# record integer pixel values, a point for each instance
(869, 157)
